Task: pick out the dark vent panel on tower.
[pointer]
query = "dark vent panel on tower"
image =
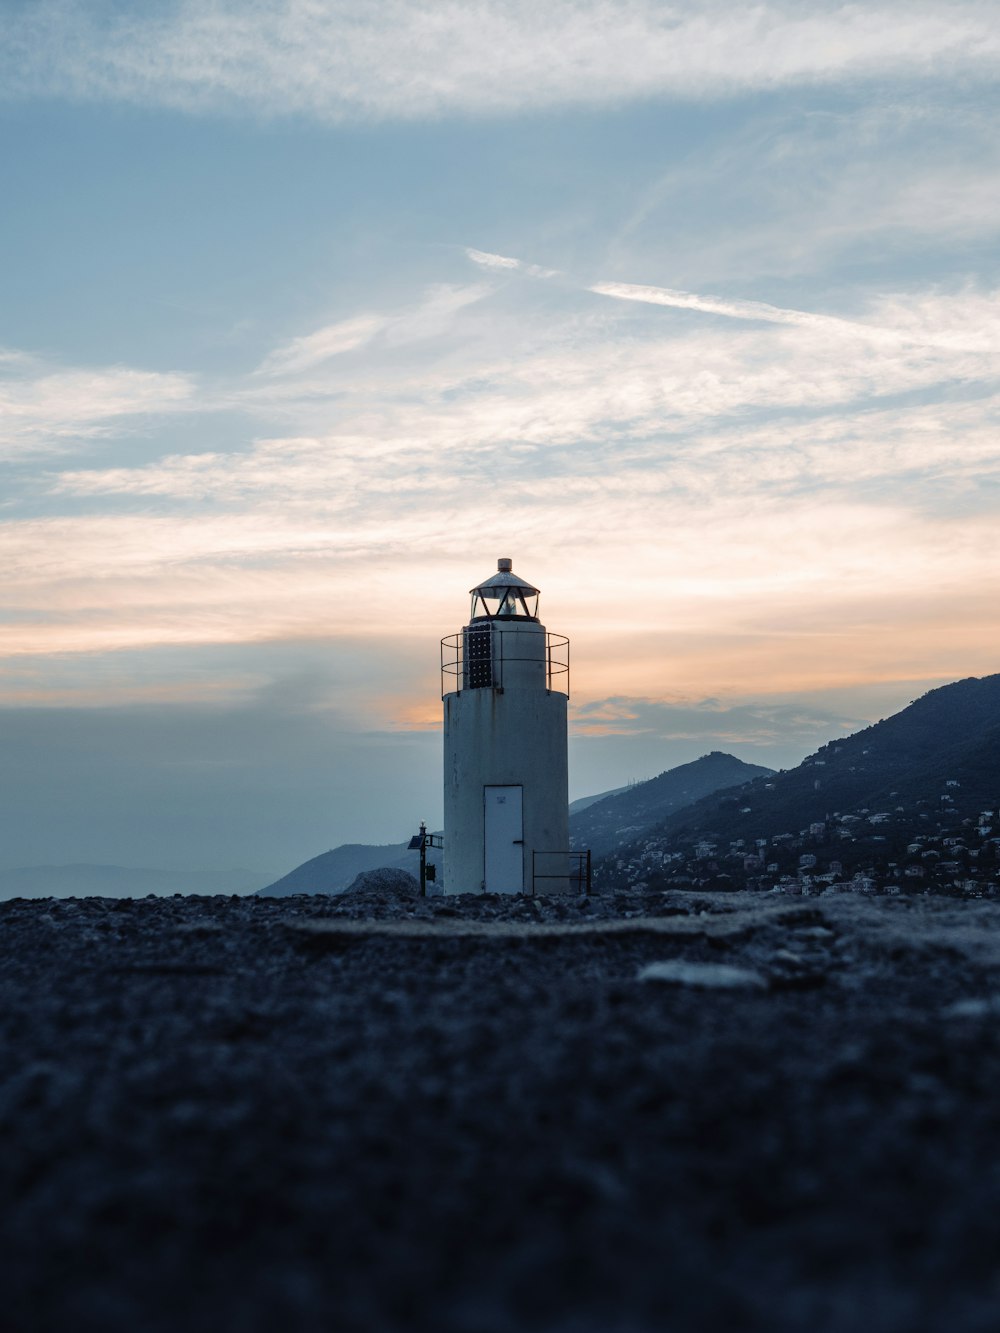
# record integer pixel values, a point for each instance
(479, 657)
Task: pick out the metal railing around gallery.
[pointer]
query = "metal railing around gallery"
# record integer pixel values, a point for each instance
(475, 658)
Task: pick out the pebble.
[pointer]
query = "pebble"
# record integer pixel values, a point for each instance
(975, 1008)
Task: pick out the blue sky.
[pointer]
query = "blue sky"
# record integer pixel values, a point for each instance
(309, 311)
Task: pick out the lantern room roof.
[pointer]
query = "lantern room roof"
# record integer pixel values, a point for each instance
(504, 578)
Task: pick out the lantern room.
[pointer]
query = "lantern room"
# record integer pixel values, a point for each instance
(504, 596)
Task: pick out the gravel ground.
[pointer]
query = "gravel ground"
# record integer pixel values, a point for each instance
(486, 1115)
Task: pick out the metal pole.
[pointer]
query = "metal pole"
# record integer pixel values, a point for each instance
(423, 859)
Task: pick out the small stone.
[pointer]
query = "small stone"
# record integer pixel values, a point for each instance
(704, 976)
(978, 1008)
(789, 959)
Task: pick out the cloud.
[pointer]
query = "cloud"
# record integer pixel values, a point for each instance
(626, 291)
(623, 739)
(724, 490)
(44, 410)
(504, 262)
(312, 349)
(341, 59)
(983, 335)
(711, 722)
(429, 318)
(606, 409)
(486, 260)
(880, 183)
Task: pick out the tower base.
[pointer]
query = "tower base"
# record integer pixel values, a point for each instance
(506, 791)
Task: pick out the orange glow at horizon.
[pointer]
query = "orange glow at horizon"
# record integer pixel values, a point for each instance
(840, 597)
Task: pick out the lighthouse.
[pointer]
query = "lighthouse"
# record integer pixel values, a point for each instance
(505, 687)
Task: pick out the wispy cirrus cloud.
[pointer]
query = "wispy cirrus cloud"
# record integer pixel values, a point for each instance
(341, 59)
(873, 183)
(505, 263)
(51, 410)
(646, 392)
(487, 260)
(312, 349)
(901, 324)
(429, 318)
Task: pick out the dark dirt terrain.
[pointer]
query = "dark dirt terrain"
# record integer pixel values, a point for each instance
(249, 1114)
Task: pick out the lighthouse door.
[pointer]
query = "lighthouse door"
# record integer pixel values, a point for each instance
(504, 840)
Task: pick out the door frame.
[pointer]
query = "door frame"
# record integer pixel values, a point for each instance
(503, 786)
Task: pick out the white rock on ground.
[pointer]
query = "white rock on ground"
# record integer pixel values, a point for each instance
(706, 976)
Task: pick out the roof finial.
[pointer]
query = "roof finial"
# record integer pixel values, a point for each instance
(504, 566)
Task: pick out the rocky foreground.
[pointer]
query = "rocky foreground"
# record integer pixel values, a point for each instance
(488, 1115)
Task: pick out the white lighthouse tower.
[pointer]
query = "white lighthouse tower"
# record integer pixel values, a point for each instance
(506, 802)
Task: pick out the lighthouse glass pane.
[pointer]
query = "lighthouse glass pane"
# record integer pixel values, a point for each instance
(504, 603)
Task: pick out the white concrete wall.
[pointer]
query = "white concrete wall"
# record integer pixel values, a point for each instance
(494, 737)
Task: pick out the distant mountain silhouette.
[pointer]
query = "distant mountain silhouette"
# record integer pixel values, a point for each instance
(336, 870)
(84, 881)
(611, 816)
(620, 817)
(922, 772)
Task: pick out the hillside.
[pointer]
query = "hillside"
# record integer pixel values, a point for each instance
(619, 817)
(333, 871)
(582, 802)
(908, 791)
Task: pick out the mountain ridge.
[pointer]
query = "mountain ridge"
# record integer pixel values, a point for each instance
(599, 826)
(905, 789)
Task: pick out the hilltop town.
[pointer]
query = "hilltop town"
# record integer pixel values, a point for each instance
(864, 851)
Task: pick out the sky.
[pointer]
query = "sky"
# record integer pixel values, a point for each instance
(312, 309)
